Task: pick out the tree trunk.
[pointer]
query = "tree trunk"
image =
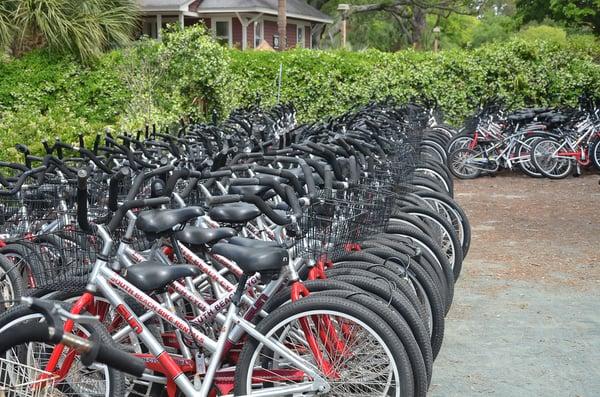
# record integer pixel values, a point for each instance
(419, 23)
(282, 24)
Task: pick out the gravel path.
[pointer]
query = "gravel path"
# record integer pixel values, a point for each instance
(526, 315)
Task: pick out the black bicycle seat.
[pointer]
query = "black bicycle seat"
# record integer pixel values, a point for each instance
(236, 213)
(161, 221)
(152, 275)
(254, 259)
(197, 236)
(250, 242)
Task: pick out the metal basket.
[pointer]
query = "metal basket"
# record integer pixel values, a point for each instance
(329, 227)
(61, 260)
(32, 207)
(376, 201)
(20, 380)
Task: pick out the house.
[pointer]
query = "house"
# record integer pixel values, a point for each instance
(242, 24)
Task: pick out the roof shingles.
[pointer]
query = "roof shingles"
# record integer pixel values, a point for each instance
(295, 8)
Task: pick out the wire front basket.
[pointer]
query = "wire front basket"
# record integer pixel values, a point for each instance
(375, 201)
(32, 207)
(20, 380)
(329, 228)
(61, 260)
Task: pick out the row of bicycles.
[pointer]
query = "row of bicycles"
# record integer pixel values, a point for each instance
(540, 142)
(255, 257)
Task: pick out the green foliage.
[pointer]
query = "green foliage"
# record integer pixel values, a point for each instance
(323, 83)
(197, 71)
(493, 28)
(545, 33)
(458, 31)
(43, 95)
(584, 14)
(588, 44)
(83, 28)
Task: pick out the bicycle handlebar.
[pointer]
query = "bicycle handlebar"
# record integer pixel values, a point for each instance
(51, 332)
(21, 180)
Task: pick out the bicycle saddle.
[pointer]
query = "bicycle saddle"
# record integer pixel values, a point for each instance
(152, 275)
(254, 190)
(249, 242)
(161, 221)
(254, 259)
(234, 213)
(197, 236)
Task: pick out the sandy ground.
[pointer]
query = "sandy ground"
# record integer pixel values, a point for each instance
(526, 315)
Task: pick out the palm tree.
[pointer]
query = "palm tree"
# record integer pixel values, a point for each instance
(282, 24)
(81, 27)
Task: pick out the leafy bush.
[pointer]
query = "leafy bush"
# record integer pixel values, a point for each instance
(43, 95)
(493, 28)
(323, 83)
(588, 44)
(545, 33)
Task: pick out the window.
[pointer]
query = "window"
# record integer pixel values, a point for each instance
(300, 36)
(222, 31)
(258, 33)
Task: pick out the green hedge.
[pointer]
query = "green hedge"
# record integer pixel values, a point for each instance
(323, 83)
(42, 96)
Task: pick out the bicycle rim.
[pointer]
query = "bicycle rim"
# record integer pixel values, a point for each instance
(79, 381)
(363, 366)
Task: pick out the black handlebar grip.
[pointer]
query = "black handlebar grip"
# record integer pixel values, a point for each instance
(292, 200)
(371, 164)
(189, 188)
(22, 148)
(216, 174)
(266, 210)
(318, 166)
(15, 166)
(120, 360)
(113, 188)
(182, 173)
(225, 199)
(309, 179)
(245, 181)
(89, 154)
(354, 175)
(328, 181)
(159, 171)
(82, 201)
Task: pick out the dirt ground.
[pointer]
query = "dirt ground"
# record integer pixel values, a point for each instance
(526, 315)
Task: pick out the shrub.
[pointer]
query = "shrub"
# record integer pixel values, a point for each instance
(323, 83)
(544, 32)
(42, 95)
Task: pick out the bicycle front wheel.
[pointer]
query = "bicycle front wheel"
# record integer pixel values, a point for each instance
(72, 377)
(347, 344)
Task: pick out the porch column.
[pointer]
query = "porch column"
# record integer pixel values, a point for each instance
(158, 25)
(181, 20)
(245, 24)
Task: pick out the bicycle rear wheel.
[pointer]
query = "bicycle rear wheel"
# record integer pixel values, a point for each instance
(462, 165)
(545, 157)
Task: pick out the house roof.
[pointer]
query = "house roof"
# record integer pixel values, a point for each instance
(297, 9)
(164, 5)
